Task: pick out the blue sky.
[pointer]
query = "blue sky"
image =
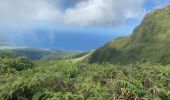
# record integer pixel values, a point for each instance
(71, 24)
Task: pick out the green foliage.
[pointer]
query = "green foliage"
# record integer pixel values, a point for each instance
(69, 81)
(6, 53)
(4, 68)
(149, 42)
(20, 63)
(15, 64)
(21, 79)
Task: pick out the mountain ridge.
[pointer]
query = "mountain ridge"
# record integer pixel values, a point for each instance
(148, 42)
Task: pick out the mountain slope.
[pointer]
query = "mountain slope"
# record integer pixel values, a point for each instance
(149, 41)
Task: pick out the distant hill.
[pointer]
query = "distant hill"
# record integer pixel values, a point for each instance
(38, 54)
(9, 50)
(150, 41)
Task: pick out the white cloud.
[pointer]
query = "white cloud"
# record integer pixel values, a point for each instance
(84, 12)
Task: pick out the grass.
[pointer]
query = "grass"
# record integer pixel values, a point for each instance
(81, 58)
(149, 41)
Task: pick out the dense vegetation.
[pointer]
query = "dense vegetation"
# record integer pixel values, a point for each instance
(123, 69)
(67, 81)
(149, 41)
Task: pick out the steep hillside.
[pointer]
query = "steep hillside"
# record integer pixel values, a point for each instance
(149, 41)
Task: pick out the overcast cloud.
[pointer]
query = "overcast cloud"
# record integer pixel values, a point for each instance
(80, 12)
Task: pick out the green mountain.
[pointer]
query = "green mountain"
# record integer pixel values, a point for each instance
(149, 42)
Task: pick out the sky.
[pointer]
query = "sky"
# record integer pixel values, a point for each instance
(71, 24)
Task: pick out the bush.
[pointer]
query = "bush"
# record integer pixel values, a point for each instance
(21, 63)
(68, 81)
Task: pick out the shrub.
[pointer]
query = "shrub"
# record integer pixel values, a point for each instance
(20, 63)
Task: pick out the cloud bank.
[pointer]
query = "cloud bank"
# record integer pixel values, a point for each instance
(70, 12)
